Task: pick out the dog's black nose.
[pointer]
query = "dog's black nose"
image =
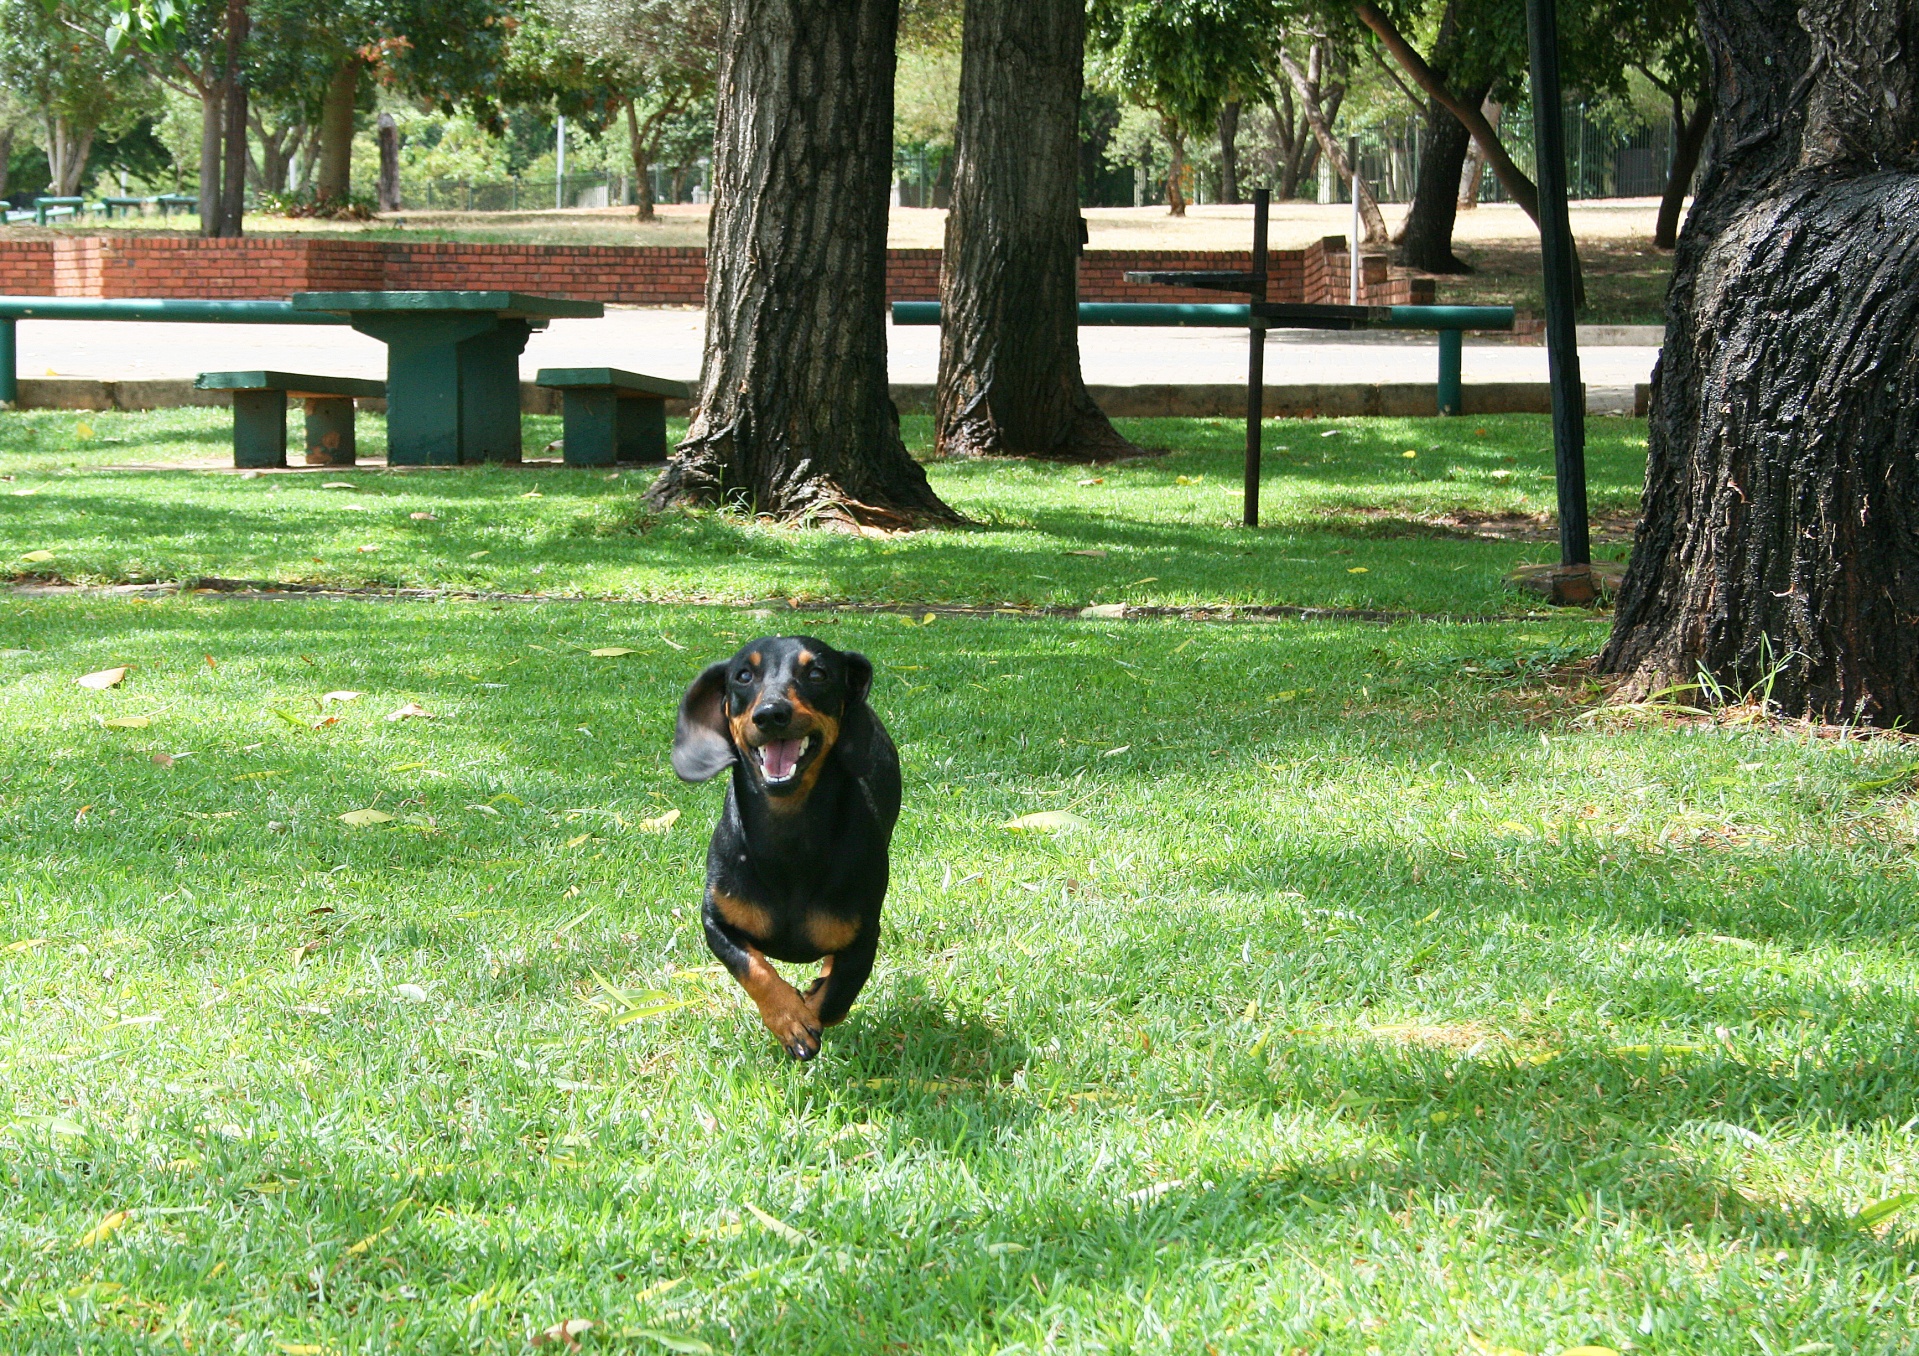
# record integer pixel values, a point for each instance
(773, 715)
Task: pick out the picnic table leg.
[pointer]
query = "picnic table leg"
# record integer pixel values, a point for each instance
(490, 393)
(259, 428)
(641, 429)
(329, 431)
(1449, 395)
(9, 375)
(426, 372)
(590, 431)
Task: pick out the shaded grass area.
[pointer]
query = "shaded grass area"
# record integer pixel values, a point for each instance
(1350, 519)
(1626, 279)
(1380, 1006)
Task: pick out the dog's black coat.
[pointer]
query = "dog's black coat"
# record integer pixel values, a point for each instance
(797, 866)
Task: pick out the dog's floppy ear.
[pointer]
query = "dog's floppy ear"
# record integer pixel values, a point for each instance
(702, 749)
(859, 675)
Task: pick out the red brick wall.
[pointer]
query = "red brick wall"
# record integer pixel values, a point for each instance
(275, 267)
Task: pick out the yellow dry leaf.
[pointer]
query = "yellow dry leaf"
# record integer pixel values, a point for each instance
(370, 546)
(1357, 569)
(83, 430)
(567, 1333)
(1048, 821)
(102, 680)
(778, 1226)
(1409, 454)
(611, 652)
(105, 1229)
(300, 1348)
(128, 722)
(360, 819)
(341, 696)
(1097, 553)
(359, 1249)
(575, 842)
(37, 557)
(24, 944)
(411, 709)
(660, 823)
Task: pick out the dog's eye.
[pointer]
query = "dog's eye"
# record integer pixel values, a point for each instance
(816, 674)
(744, 675)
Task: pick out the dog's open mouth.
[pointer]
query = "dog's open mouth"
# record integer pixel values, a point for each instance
(780, 759)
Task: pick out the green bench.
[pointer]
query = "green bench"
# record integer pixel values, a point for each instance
(260, 414)
(610, 415)
(186, 202)
(111, 207)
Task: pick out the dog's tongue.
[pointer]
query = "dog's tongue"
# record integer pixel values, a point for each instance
(779, 757)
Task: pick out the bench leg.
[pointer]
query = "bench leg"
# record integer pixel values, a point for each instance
(591, 430)
(642, 429)
(330, 431)
(1449, 394)
(259, 428)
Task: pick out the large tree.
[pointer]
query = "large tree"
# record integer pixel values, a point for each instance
(795, 418)
(60, 71)
(1779, 548)
(1009, 379)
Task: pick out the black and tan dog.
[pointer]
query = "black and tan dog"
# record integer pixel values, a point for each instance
(798, 863)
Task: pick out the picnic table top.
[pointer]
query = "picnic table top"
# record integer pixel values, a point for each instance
(507, 305)
(293, 383)
(618, 378)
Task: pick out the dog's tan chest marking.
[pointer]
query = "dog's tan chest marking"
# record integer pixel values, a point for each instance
(830, 934)
(748, 917)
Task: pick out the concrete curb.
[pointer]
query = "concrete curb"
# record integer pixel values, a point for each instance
(1398, 399)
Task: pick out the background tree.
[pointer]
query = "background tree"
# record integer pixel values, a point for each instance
(1009, 378)
(1779, 548)
(794, 417)
(1180, 58)
(55, 63)
(1662, 38)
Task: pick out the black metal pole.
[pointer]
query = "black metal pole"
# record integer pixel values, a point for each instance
(1256, 359)
(1556, 251)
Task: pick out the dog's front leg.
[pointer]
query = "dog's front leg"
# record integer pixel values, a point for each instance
(841, 979)
(793, 1024)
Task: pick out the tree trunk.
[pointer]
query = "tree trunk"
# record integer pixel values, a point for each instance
(1229, 151)
(1309, 101)
(642, 148)
(1176, 171)
(233, 167)
(1426, 237)
(1689, 138)
(795, 418)
(1473, 172)
(334, 183)
(67, 150)
(388, 189)
(213, 123)
(6, 156)
(1779, 549)
(1009, 381)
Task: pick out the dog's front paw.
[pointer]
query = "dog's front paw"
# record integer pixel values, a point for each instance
(795, 1027)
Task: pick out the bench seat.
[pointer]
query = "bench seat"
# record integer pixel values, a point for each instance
(612, 415)
(260, 414)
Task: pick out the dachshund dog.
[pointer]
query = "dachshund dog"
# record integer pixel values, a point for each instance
(797, 866)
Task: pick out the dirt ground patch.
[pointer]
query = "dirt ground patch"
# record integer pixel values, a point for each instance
(1614, 528)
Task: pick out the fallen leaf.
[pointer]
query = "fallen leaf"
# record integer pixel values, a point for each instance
(611, 652)
(338, 485)
(475, 555)
(485, 810)
(1409, 454)
(299, 1348)
(1096, 480)
(532, 494)
(83, 430)
(341, 696)
(1188, 480)
(1502, 475)
(128, 722)
(1357, 569)
(24, 944)
(778, 1226)
(1103, 612)
(413, 993)
(929, 619)
(368, 547)
(102, 680)
(1096, 552)
(411, 709)
(360, 819)
(312, 948)
(575, 842)
(163, 760)
(424, 517)
(1878, 1210)
(105, 1229)
(37, 556)
(567, 1333)
(1048, 821)
(1330, 433)
(660, 823)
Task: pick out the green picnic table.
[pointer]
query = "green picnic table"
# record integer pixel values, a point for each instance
(453, 366)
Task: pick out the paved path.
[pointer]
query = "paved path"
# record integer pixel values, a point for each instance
(667, 343)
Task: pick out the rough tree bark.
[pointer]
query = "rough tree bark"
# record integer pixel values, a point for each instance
(1689, 138)
(643, 152)
(1310, 104)
(334, 183)
(1229, 151)
(233, 160)
(213, 123)
(1780, 538)
(795, 418)
(1426, 237)
(387, 189)
(1176, 170)
(1473, 171)
(1009, 380)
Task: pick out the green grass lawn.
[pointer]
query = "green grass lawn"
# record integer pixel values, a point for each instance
(1349, 510)
(1381, 1005)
